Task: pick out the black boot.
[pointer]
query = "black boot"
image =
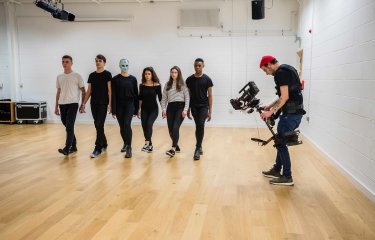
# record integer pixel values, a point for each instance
(73, 149)
(197, 154)
(200, 151)
(64, 151)
(128, 151)
(123, 149)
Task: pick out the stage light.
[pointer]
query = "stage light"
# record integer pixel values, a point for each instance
(54, 10)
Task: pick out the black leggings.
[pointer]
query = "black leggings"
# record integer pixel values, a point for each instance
(174, 120)
(99, 113)
(124, 116)
(68, 113)
(148, 117)
(200, 115)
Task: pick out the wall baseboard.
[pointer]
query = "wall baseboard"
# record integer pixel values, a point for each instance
(357, 183)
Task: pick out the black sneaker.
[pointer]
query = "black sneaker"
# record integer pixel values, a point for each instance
(283, 180)
(150, 148)
(128, 152)
(64, 151)
(272, 173)
(123, 149)
(197, 154)
(171, 153)
(73, 150)
(178, 150)
(145, 148)
(95, 153)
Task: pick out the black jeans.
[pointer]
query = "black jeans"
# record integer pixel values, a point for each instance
(174, 120)
(99, 113)
(148, 117)
(200, 115)
(68, 114)
(124, 114)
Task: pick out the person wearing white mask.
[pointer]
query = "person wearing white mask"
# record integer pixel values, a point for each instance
(125, 104)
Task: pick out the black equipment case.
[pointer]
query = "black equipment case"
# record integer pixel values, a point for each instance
(31, 111)
(7, 114)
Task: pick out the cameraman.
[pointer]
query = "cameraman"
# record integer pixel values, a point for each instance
(290, 103)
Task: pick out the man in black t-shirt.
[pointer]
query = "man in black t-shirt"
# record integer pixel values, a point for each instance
(290, 103)
(200, 88)
(99, 88)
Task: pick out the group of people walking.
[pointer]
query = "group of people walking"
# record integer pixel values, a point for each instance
(123, 98)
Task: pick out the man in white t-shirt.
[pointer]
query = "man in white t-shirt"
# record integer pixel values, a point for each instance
(69, 86)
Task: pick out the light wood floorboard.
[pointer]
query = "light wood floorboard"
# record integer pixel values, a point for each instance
(44, 195)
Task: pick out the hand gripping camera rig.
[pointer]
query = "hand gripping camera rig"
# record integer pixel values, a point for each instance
(247, 102)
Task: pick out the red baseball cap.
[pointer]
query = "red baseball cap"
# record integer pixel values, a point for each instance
(266, 60)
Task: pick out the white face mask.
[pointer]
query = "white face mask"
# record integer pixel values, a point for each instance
(124, 65)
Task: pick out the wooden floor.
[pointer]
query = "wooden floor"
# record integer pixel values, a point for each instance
(44, 195)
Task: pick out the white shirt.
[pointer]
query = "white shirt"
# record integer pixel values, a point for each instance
(70, 85)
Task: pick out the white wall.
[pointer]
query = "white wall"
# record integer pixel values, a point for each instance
(4, 57)
(340, 78)
(152, 39)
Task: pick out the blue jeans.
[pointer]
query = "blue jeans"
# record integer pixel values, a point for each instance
(287, 122)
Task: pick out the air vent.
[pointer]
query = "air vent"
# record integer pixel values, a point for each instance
(200, 18)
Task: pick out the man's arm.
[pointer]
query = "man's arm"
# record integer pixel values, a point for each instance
(282, 100)
(278, 104)
(57, 101)
(83, 93)
(85, 98)
(110, 96)
(210, 97)
(269, 106)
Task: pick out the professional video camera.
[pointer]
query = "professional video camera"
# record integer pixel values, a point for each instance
(248, 102)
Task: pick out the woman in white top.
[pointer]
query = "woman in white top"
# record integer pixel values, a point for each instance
(175, 104)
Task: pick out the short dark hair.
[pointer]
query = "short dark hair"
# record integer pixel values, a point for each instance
(101, 57)
(199, 60)
(68, 57)
(274, 61)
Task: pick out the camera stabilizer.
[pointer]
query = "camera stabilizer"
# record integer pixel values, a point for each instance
(247, 102)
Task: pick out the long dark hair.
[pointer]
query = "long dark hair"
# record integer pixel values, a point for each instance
(154, 76)
(180, 80)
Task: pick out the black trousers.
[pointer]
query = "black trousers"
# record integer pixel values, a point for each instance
(174, 120)
(124, 114)
(68, 114)
(148, 117)
(200, 115)
(99, 113)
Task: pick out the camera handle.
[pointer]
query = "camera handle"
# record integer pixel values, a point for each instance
(264, 142)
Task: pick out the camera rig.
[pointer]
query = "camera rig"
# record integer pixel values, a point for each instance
(249, 103)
